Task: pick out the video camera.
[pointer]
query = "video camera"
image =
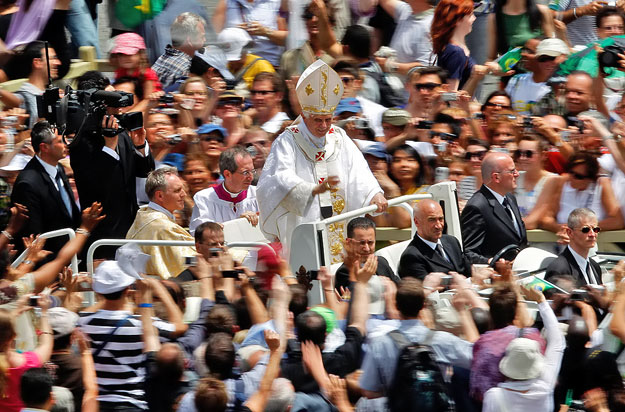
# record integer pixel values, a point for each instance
(81, 111)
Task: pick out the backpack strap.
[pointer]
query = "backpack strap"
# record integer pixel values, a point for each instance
(110, 336)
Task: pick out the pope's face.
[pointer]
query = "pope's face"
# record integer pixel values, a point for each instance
(318, 124)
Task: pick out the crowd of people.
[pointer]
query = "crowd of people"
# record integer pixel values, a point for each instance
(297, 112)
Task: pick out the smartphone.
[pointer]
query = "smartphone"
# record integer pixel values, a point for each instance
(441, 174)
(34, 301)
(449, 96)
(527, 123)
(425, 124)
(579, 295)
(190, 260)
(440, 147)
(232, 274)
(446, 281)
(313, 274)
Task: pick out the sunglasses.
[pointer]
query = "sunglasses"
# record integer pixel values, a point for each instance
(444, 136)
(470, 155)
(587, 229)
(524, 153)
(544, 59)
(499, 106)
(209, 138)
(426, 86)
(262, 92)
(258, 142)
(580, 176)
(347, 80)
(307, 15)
(229, 102)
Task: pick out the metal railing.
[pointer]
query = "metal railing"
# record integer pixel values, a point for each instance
(121, 242)
(55, 233)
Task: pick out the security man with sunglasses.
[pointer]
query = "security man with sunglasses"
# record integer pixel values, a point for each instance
(582, 230)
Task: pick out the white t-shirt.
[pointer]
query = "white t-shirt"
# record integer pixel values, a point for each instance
(412, 36)
(524, 92)
(617, 178)
(273, 125)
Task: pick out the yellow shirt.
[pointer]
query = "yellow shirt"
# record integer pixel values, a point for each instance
(252, 67)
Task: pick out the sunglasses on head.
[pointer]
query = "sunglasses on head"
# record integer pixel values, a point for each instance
(544, 59)
(426, 86)
(470, 155)
(524, 153)
(587, 229)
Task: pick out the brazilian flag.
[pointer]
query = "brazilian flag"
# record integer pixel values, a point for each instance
(539, 284)
(134, 12)
(509, 59)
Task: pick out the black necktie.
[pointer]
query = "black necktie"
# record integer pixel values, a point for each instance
(591, 274)
(439, 250)
(507, 209)
(64, 195)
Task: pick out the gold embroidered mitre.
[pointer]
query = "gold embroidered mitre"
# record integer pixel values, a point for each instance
(319, 89)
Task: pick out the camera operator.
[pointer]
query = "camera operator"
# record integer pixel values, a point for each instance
(105, 168)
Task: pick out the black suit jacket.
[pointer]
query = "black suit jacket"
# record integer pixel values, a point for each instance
(35, 189)
(102, 178)
(565, 264)
(487, 228)
(419, 259)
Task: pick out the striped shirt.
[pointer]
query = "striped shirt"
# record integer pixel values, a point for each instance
(120, 365)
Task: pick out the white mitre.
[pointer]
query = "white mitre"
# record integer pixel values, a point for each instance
(319, 89)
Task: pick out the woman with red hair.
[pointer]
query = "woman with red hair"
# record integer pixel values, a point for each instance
(453, 20)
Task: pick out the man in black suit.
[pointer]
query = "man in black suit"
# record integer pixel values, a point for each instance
(431, 250)
(105, 168)
(491, 219)
(44, 189)
(582, 231)
(361, 239)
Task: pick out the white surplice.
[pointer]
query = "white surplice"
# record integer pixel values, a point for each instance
(284, 191)
(210, 207)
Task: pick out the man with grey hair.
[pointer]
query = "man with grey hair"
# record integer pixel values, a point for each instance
(491, 219)
(165, 189)
(188, 34)
(234, 197)
(582, 230)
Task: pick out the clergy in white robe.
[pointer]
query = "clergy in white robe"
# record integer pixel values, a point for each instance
(314, 170)
(234, 197)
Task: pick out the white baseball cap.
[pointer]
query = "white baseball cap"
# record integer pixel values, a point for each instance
(232, 40)
(552, 47)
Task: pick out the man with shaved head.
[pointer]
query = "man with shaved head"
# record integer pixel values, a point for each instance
(491, 219)
(431, 250)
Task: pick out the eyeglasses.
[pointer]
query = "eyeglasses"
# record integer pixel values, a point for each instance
(247, 173)
(587, 229)
(347, 80)
(426, 86)
(262, 143)
(544, 59)
(479, 155)
(579, 176)
(262, 92)
(524, 153)
(444, 136)
(512, 172)
(498, 105)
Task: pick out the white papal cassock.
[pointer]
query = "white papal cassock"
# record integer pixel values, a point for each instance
(297, 163)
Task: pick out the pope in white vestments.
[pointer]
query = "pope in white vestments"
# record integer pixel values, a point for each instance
(314, 170)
